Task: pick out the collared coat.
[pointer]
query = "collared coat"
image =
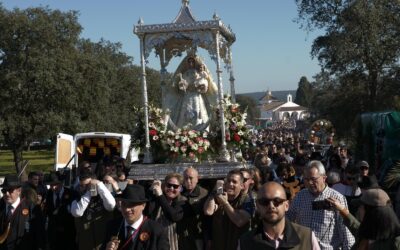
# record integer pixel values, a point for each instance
(151, 235)
(295, 237)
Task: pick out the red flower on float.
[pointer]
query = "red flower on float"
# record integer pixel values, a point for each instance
(153, 132)
(236, 137)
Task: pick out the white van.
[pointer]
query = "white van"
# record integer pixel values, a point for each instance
(91, 147)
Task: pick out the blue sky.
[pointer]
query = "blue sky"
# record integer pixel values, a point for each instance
(270, 51)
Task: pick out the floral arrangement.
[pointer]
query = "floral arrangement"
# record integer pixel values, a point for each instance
(187, 144)
(237, 134)
(157, 128)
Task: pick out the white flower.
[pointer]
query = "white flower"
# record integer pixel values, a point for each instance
(184, 138)
(151, 125)
(194, 147)
(171, 133)
(240, 132)
(205, 134)
(155, 138)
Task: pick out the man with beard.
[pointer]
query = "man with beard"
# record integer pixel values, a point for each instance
(276, 232)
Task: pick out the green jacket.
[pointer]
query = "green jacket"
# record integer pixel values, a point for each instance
(353, 224)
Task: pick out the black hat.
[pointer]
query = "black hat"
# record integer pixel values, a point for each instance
(133, 193)
(11, 181)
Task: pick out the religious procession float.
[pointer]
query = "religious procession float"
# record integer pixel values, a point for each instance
(197, 124)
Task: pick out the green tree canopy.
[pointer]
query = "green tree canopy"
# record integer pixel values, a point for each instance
(361, 40)
(304, 93)
(53, 81)
(37, 73)
(249, 104)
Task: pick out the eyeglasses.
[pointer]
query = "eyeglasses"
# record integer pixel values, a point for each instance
(312, 179)
(266, 202)
(174, 186)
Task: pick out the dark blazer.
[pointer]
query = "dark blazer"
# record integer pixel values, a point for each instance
(61, 226)
(158, 237)
(173, 212)
(27, 227)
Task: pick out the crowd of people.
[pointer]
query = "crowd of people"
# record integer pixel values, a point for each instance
(295, 197)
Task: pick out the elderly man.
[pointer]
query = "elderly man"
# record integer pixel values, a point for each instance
(135, 231)
(21, 221)
(191, 227)
(230, 219)
(276, 232)
(310, 208)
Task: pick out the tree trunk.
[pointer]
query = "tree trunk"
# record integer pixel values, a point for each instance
(18, 161)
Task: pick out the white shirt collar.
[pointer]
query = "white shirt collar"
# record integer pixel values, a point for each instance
(136, 224)
(16, 203)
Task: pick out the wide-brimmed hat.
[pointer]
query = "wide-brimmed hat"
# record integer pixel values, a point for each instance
(11, 181)
(133, 193)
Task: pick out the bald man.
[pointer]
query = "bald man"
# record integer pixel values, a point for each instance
(275, 231)
(192, 226)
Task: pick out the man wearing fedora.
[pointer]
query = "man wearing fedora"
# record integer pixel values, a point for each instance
(134, 231)
(61, 227)
(21, 222)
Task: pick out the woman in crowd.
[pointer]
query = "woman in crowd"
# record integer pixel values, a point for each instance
(167, 205)
(379, 227)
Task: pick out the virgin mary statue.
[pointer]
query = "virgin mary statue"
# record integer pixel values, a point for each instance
(195, 94)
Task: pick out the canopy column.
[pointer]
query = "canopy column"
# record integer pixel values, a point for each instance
(231, 77)
(148, 158)
(224, 152)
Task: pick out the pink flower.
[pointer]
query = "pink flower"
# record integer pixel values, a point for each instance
(177, 143)
(192, 155)
(200, 150)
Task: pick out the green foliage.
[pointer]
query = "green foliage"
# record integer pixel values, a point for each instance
(249, 105)
(52, 81)
(361, 44)
(359, 53)
(304, 93)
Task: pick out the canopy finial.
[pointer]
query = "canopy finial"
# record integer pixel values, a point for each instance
(185, 3)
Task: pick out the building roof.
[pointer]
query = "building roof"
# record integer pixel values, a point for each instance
(281, 95)
(271, 106)
(298, 108)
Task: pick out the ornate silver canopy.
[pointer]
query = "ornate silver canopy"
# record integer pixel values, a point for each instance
(185, 34)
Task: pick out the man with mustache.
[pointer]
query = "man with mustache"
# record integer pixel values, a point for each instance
(275, 231)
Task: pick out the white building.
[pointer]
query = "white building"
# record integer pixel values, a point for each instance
(272, 110)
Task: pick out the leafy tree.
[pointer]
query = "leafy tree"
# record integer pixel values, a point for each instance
(361, 39)
(304, 93)
(249, 104)
(37, 73)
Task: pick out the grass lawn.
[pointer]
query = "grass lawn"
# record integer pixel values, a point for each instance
(38, 159)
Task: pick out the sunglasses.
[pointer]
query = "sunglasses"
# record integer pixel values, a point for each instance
(266, 202)
(174, 186)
